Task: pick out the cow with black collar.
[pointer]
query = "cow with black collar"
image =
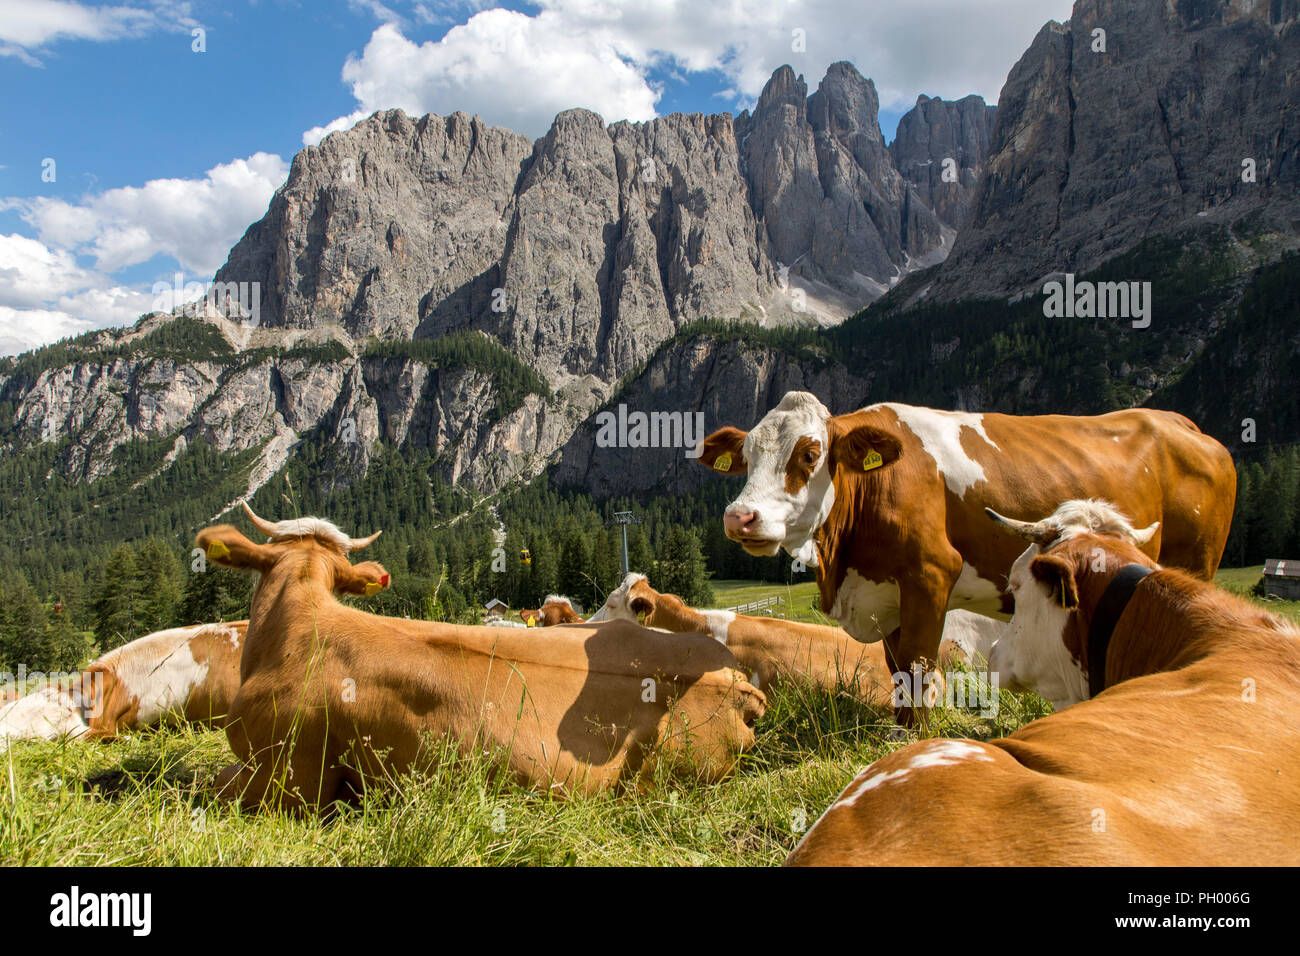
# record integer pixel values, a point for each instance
(1177, 742)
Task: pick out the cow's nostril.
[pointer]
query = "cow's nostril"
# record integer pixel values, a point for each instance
(739, 520)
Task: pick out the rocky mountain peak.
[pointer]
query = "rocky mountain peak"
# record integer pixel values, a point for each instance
(783, 88)
(1133, 119)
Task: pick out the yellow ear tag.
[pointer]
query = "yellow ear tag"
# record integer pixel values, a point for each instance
(218, 549)
(529, 622)
(373, 587)
(641, 615)
(722, 462)
(873, 460)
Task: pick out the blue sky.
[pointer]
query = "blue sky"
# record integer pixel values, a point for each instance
(163, 155)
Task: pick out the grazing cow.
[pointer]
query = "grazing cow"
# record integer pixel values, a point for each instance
(333, 699)
(1185, 753)
(185, 674)
(45, 714)
(888, 502)
(556, 609)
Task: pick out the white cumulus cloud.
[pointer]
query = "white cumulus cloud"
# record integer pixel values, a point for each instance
(518, 70)
(27, 26)
(45, 296)
(514, 70)
(194, 220)
(45, 291)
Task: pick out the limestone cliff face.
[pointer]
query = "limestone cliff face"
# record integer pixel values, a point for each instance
(940, 134)
(727, 382)
(835, 209)
(1095, 150)
(583, 251)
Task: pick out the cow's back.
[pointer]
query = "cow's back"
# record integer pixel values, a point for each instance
(1108, 781)
(188, 673)
(1153, 465)
(774, 650)
(577, 712)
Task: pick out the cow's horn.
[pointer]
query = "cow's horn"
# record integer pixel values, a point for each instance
(356, 544)
(1040, 532)
(267, 528)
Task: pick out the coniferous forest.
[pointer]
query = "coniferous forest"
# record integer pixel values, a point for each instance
(86, 565)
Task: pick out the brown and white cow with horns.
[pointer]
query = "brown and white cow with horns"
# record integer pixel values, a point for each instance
(888, 502)
(333, 700)
(1181, 749)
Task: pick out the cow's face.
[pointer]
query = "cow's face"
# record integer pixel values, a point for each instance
(633, 600)
(1045, 646)
(790, 459)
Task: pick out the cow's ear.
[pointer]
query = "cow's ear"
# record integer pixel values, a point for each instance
(862, 447)
(226, 545)
(723, 451)
(530, 617)
(1058, 574)
(367, 577)
(642, 606)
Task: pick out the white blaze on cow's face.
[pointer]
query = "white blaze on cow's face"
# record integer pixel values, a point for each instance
(1031, 654)
(618, 606)
(788, 490)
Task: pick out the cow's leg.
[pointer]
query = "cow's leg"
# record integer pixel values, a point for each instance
(913, 647)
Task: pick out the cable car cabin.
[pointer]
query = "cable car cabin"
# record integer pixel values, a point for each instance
(525, 557)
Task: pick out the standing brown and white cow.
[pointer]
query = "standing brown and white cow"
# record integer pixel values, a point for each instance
(888, 502)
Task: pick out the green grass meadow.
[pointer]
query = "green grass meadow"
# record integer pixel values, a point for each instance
(143, 800)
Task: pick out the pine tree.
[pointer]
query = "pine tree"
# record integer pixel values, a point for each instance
(681, 568)
(574, 576)
(116, 613)
(606, 558)
(158, 586)
(214, 594)
(26, 641)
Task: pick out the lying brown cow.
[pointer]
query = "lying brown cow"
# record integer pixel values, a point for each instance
(1187, 753)
(181, 675)
(185, 674)
(556, 609)
(888, 503)
(334, 699)
(767, 647)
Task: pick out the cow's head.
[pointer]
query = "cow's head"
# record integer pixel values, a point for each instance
(791, 459)
(1057, 582)
(633, 600)
(558, 609)
(311, 549)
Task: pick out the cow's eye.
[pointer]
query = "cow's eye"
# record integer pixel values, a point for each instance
(809, 458)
